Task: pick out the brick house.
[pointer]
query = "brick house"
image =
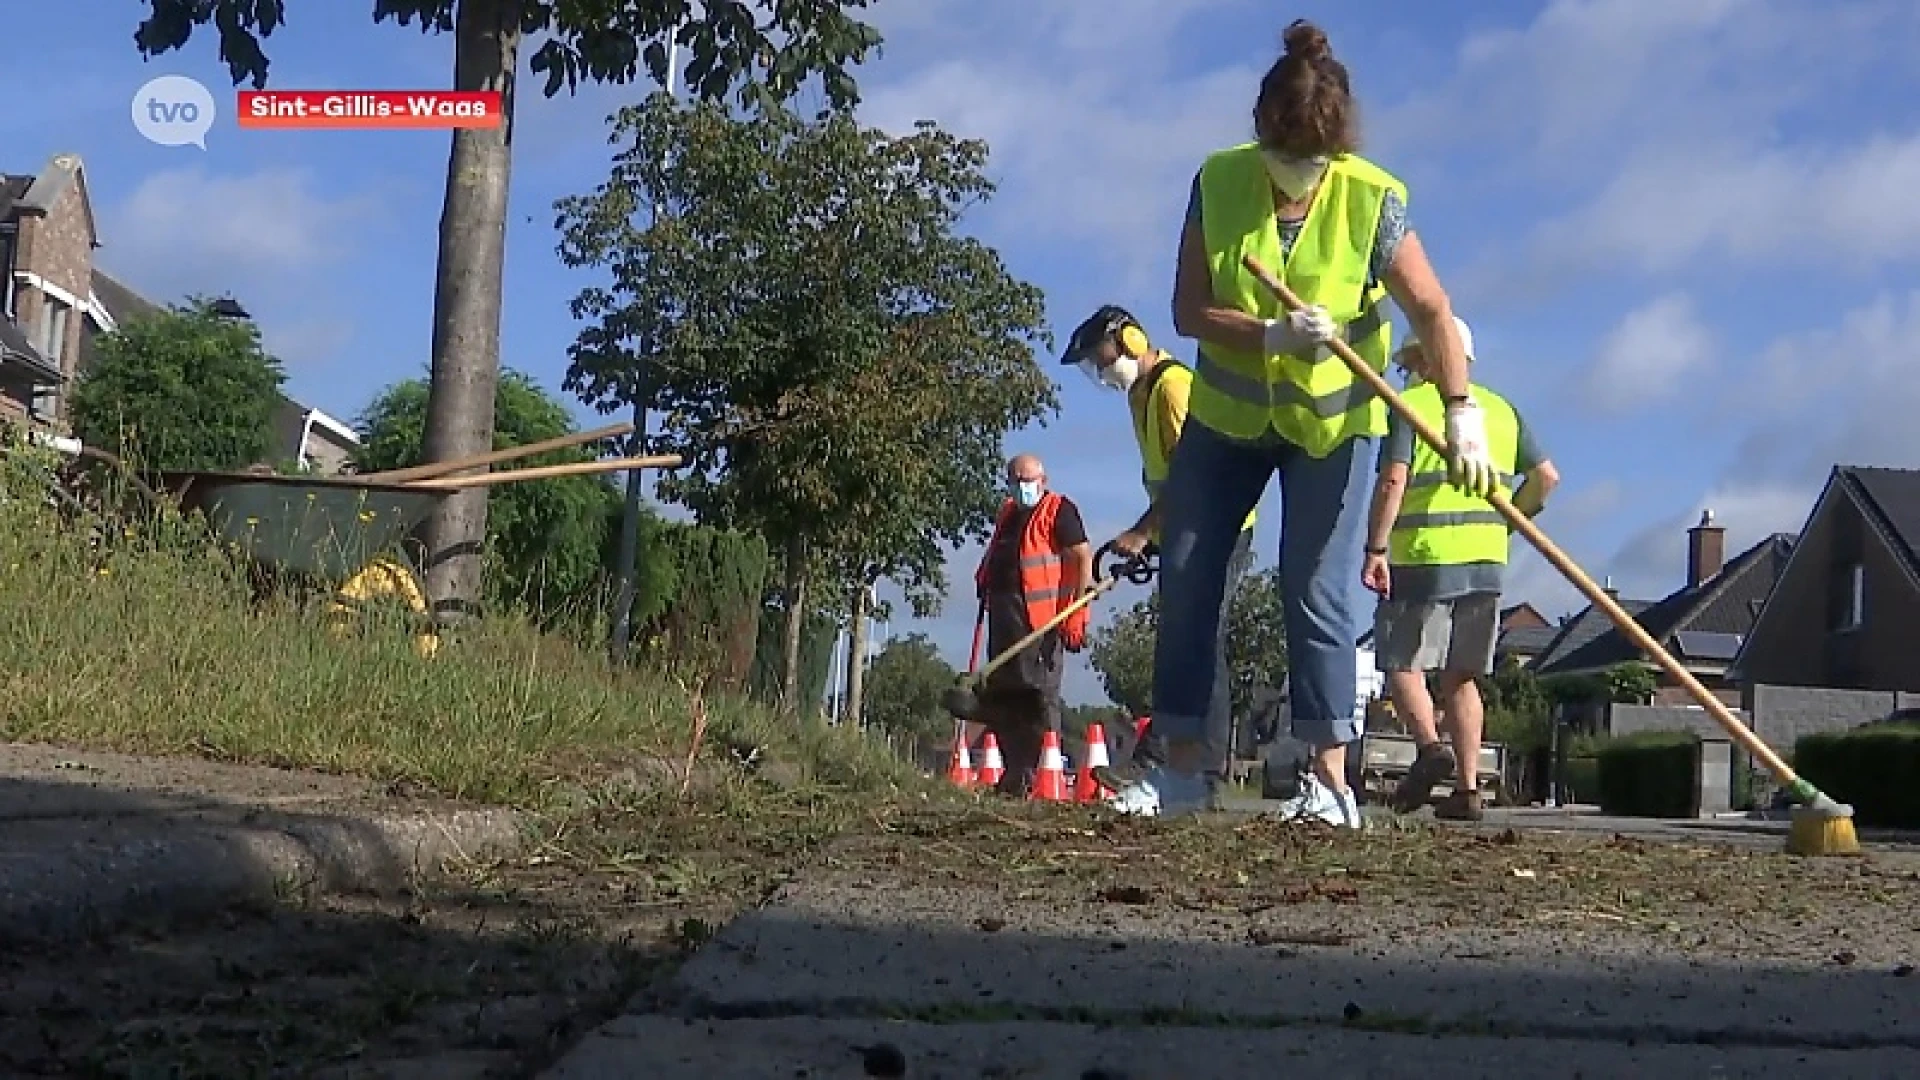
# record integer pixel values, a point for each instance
(1846, 611)
(57, 301)
(1702, 624)
(1524, 635)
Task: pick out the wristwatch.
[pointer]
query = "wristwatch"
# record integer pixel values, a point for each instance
(1376, 551)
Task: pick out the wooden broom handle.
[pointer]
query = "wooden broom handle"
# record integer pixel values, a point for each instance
(1548, 550)
(547, 472)
(436, 469)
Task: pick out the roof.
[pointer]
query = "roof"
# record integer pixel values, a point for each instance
(1714, 616)
(1579, 631)
(38, 194)
(16, 349)
(119, 299)
(1892, 497)
(1528, 639)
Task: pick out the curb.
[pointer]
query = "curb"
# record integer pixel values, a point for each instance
(69, 879)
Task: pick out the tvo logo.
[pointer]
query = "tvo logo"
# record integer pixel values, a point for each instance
(173, 110)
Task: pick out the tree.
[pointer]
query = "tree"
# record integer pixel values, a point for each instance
(767, 47)
(1631, 683)
(184, 388)
(546, 538)
(836, 364)
(904, 684)
(1122, 651)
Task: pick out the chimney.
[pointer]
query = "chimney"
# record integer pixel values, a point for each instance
(1609, 589)
(1706, 549)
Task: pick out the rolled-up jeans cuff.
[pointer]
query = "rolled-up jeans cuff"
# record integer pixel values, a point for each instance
(1172, 729)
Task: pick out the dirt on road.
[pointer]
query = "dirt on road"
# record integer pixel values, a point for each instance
(497, 971)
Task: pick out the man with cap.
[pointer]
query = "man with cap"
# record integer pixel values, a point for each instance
(1435, 556)
(1113, 351)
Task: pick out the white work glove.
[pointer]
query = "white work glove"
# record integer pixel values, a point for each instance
(1469, 465)
(1304, 332)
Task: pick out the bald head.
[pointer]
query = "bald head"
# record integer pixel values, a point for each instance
(1026, 467)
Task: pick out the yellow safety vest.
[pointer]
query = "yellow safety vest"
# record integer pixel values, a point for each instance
(1147, 409)
(1439, 524)
(1316, 405)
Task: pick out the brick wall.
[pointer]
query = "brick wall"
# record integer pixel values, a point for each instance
(59, 249)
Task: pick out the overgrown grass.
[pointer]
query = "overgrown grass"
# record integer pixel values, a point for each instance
(149, 640)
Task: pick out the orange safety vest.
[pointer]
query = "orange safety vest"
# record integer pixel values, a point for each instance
(1040, 577)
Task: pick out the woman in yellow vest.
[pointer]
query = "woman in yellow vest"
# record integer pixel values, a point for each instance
(1113, 350)
(1269, 397)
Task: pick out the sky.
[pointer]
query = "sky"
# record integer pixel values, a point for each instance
(1683, 231)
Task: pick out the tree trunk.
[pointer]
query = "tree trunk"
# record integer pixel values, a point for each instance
(467, 298)
(796, 601)
(857, 658)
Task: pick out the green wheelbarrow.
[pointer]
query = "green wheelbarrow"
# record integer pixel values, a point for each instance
(343, 532)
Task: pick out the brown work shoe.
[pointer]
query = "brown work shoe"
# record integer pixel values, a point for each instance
(1433, 765)
(1459, 806)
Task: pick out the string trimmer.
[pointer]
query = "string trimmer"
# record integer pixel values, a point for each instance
(963, 700)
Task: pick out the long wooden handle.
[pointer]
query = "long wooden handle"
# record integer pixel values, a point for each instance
(1065, 613)
(1551, 552)
(435, 469)
(548, 472)
(979, 632)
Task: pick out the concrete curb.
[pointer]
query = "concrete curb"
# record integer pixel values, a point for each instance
(65, 879)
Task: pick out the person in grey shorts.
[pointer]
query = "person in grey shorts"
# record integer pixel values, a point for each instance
(1435, 556)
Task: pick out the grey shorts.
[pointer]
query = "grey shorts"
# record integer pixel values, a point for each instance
(1437, 635)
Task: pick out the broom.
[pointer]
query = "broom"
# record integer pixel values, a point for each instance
(1821, 825)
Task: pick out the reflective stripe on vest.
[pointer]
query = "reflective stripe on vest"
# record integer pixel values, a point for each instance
(1155, 458)
(1438, 524)
(1315, 404)
(1041, 584)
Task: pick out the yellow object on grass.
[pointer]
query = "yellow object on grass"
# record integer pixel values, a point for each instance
(382, 581)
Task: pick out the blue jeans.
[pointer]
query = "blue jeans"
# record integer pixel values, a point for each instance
(1212, 484)
(1220, 701)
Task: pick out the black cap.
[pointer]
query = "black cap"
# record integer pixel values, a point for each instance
(1100, 326)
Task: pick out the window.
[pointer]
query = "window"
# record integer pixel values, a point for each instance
(55, 316)
(1851, 609)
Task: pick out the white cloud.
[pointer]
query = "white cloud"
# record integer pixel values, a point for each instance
(1094, 140)
(1834, 208)
(1647, 357)
(1653, 562)
(187, 230)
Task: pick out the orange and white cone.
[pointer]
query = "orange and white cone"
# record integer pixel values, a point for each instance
(992, 765)
(960, 769)
(1087, 786)
(1050, 782)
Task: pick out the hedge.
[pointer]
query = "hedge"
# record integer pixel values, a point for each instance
(817, 637)
(1874, 768)
(697, 598)
(1650, 774)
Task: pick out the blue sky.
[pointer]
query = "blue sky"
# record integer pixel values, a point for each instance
(1683, 230)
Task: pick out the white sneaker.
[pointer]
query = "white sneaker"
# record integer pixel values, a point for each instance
(1350, 808)
(1161, 792)
(1317, 802)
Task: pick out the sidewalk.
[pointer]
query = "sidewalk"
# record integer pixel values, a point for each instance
(90, 842)
(1069, 955)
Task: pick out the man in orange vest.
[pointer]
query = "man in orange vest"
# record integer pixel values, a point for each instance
(1037, 563)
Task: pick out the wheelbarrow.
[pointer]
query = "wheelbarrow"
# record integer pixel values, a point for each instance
(344, 532)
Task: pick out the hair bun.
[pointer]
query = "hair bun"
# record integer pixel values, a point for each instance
(1306, 41)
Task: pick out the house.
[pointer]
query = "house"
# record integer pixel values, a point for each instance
(1524, 635)
(1846, 611)
(57, 302)
(47, 239)
(1702, 624)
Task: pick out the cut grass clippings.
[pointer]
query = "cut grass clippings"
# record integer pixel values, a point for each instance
(152, 644)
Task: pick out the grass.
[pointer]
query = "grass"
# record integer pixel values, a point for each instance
(152, 644)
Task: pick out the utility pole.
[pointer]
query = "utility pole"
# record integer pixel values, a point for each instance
(622, 631)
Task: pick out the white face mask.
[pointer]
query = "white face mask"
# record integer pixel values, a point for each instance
(1120, 374)
(1295, 177)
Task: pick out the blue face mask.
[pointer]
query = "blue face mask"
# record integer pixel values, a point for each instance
(1027, 493)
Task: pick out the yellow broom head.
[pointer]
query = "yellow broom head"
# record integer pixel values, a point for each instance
(1824, 828)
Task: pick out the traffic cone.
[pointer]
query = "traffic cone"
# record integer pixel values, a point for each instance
(1087, 786)
(1050, 782)
(960, 770)
(992, 765)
